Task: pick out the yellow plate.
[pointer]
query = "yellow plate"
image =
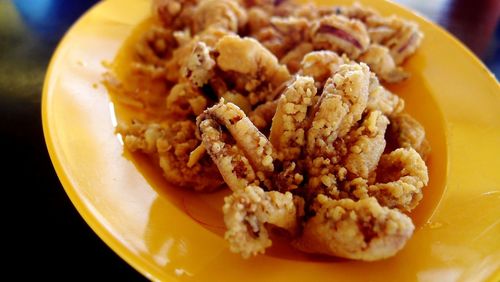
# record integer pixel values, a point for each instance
(168, 234)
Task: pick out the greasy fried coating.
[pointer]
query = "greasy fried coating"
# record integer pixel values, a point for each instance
(296, 29)
(170, 146)
(401, 175)
(409, 133)
(293, 58)
(199, 66)
(232, 163)
(381, 99)
(258, 70)
(272, 40)
(263, 114)
(227, 14)
(340, 106)
(239, 100)
(182, 55)
(340, 34)
(185, 100)
(290, 120)
(361, 230)
(258, 19)
(320, 137)
(247, 214)
(284, 34)
(364, 154)
(320, 65)
(357, 11)
(400, 36)
(288, 130)
(176, 14)
(380, 61)
(348, 93)
(254, 145)
(155, 46)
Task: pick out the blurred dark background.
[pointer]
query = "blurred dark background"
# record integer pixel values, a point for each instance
(46, 237)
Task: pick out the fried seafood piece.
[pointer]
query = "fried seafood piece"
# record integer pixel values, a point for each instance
(409, 133)
(249, 213)
(293, 58)
(320, 65)
(401, 37)
(227, 14)
(288, 130)
(258, 19)
(182, 55)
(381, 99)
(176, 14)
(290, 122)
(255, 70)
(364, 153)
(361, 230)
(284, 34)
(252, 143)
(401, 175)
(340, 34)
(170, 145)
(340, 106)
(272, 40)
(344, 98)
(263, 114)
(185, 101)
(155, 46)
(296, 29)
(230, 160)
(238, 99)
(199, 66)
(382, 63)
(356, 11)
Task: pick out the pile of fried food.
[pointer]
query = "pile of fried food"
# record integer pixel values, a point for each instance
(282, 102)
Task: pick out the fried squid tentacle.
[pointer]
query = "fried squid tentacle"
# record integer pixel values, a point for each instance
(409, 133)
(340, 106)
(249, 212)
(256, 70)
(379, 59)
(256, 146)
(169, 145)
(401, 175)
(364, 154)
(199, 66)
(381, 99)
(401, 37)
(288, 130)
(320, 65)
(361, 230)
(290, 120)
(252, 144)
(226, 14)
(230, 160)
(340, 34)
(263, 114)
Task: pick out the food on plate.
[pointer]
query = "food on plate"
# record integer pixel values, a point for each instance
(285, 104)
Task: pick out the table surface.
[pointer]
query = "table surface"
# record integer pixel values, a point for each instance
(45, 234)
